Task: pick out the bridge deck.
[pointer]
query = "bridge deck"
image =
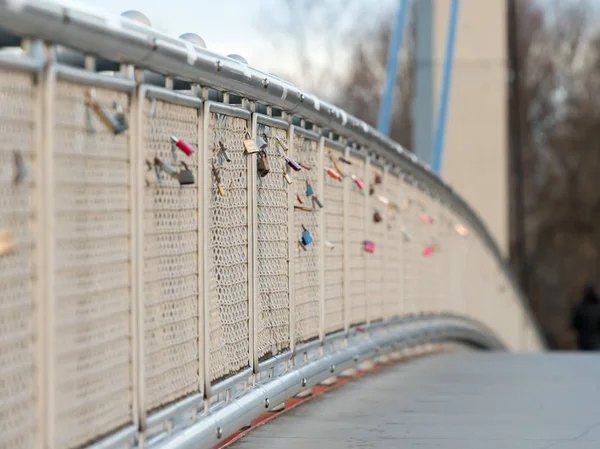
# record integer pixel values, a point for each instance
(458, 401)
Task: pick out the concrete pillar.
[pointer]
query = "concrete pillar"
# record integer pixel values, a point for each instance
(475, 158)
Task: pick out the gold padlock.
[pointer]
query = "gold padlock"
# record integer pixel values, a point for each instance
(7, 244)
(262, 164)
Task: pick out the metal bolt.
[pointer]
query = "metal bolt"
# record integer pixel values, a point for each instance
(332, 368)
(219, 432)
(154, 44)
(301, 97)
(304, 381)
(267, 402)
(219, 66)
(355, 358)
(265, 83)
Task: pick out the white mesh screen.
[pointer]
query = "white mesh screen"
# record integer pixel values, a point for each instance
(334, 257)
(393, 249)
(273, 302)
(228, 301)
(377, 234)
(306, 275)
(17, 213)
(170, 258)
(92, 270)
(357, 235)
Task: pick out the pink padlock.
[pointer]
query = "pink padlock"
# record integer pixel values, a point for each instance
(428, 251)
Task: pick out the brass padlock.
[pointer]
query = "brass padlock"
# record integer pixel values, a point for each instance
(218, 179)
(151, 177)
(185, 176)
(262, 164)
(286, 176)
(7, 244)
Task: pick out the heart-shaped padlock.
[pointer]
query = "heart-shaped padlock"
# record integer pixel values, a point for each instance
(185, 176)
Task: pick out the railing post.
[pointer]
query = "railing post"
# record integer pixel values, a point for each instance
(321, 225)
(346, 257)
(291, 248)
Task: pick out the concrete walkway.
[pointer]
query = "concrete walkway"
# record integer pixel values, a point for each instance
(456, 401)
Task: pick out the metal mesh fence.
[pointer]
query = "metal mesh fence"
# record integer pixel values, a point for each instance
(306, 263)
(171, 298)
(393, 248)
(273, 301)
(228, 246)
(357, 225)
(376, 223)
(17, 267)
(333, 195)
(93, 373)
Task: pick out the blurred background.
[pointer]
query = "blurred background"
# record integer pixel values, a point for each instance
(522, 143)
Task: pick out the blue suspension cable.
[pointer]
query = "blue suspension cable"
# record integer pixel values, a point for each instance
(385, 118)
(440, 129)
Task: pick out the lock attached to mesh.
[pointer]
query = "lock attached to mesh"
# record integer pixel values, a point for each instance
(185, 176)
(262, 164)
(7, 243)
(21, 170)
(224, 151)
(316, 200)
(113, 122)
(286, 176)
(377, 217)
(307, 237)
(218, 180)
(166, 167)
(338, 167)
(309, 189)
(369, 246)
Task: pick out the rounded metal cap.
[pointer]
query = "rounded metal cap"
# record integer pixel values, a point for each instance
(238, 58)
(194, 39)
(137, 16)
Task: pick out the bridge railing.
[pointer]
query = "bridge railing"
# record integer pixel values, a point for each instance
(151, 271)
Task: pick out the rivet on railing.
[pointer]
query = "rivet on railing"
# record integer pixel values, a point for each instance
(266, 83)
(219, 66)
(267, 402)
(219, 432)
(304, 382)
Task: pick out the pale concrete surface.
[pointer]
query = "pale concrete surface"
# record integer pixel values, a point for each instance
(460, 401)
(475, 159)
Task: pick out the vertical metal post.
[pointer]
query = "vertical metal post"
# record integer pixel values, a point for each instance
(321, 225)
(424, 91)
(202, 342)
(385, 118)
(252, 249)
(205, 292)
(440, 130)
(367, 207)
(291, 249)
(346, 245)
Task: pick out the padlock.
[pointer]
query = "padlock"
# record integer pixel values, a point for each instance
(21, 171)
(383, 199)
(428, 251)
(304, 208)
(286, 176)
(345, 161)
(335, 175)
(166, 167)
(316, 200)
(407, 235)
(304, 166)
(186, 177)
(224, 151)
(329, 245)
(250, 146)
(183, 146)
(461, 230)
(105, 116)
(301, 245)
(120, 115)
(263, 141)
(357, 182)
(218, 180)
(337, 166)
(426, 219)
(299, 198)
(293, 164)
(377, 179)
(151, 178)
(377, 217)
(369, 246)
(282, 143)
(7, 243)
(309, 189)
(307, 238)
(262, 164)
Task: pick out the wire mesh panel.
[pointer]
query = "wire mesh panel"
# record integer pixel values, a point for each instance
(273, 301)
(306, 263)
(228, 245)
(415, 242)
(171, 210)
(357, 234)
(376, 225)
(92, 269)
(17, 271)
(333, 194)
(393, 248)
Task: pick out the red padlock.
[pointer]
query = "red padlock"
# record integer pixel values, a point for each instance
(369, 246)
(335, 175)
(183, 146)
